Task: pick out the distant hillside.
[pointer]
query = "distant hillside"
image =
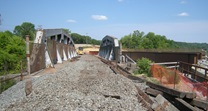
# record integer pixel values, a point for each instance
(138, 40)
(185, 45)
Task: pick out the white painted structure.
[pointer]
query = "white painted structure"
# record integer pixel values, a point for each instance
(59, 36)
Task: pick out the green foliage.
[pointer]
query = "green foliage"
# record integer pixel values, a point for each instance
(81, 39)
(144, 66)
(67, 31)
(138, 40)
(192, 46)
(12, 50)
(26, 28)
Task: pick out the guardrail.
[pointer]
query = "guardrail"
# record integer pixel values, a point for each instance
(188, 69)
(194, 70)
(130, 59)
(7, 80)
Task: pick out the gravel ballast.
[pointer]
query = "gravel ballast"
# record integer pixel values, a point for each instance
(83, 85)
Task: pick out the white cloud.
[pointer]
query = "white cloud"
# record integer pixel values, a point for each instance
(71, 21)
(99, 17)
(120, 0)
(183, 2)
(183, 14)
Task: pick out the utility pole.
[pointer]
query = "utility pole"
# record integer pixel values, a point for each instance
(28, 53)
(28, 84)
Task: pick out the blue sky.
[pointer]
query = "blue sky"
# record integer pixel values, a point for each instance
(179, 20)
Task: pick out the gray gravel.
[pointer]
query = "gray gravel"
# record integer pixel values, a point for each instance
(84, 85)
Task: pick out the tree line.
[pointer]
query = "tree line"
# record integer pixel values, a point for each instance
(82, 39)
(138, 40)
(185, 45)
(12, 51)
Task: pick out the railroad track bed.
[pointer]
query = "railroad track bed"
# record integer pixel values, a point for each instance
(92, 83)
(160, 97)
(86, 84)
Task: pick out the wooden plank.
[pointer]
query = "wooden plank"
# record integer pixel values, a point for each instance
(127, 72)
(184, 105)
(200, 103)
(180, 103)
(139, 79)
(172, 92)
(113, 96)
(144, 103)
(144, 99)
(144, 95)
(162, 104)
(153, 92)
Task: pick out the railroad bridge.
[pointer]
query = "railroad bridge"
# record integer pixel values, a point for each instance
(90, 82)
(165, 56)
(110, 49)
(51, 46)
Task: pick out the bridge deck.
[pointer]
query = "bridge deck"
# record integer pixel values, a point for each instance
(86, 84)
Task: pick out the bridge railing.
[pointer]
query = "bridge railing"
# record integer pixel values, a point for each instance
(130, 59)
(7, 79)
(196, 72)
(191, 70)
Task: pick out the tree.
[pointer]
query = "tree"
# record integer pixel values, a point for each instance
(138, 40)
(67, 31)
(12, 50)
(147, 44)
(26, 28)
(81, 39)
(144, 66)
(78, 39)
(150, 41)
(126, 41)
(132, 40)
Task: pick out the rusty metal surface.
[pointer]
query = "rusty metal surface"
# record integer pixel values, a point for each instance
(37, 58)
(191, 58)
(51, 47)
